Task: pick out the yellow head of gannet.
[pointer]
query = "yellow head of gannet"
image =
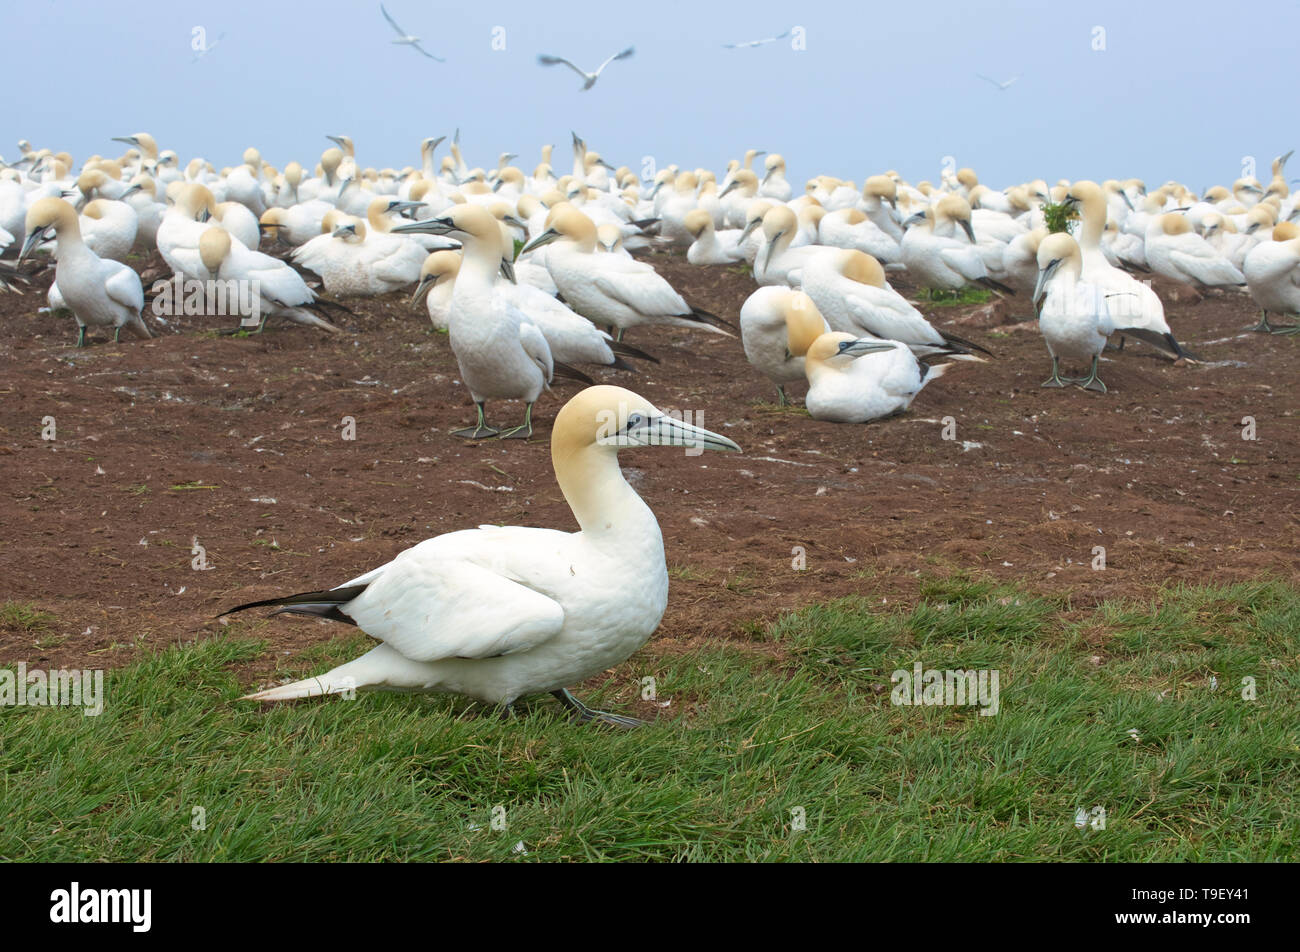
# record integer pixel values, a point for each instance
(696, 221)
(438, 266)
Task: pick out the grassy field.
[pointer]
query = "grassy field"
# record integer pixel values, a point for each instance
(1110, 707)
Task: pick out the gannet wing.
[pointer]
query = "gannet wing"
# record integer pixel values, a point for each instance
(123, 286)
(617, 56)
(427, 53)
(546, 60)
(393, 23)
(436, 604)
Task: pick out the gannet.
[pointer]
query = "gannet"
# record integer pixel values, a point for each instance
(501, 353)
(281, 291)
(100, 292)
(1135, 309)
(181, 227)
(710, 246)
(851, 228)
(437, 281)
(1073, 314)
(1002, 86)
(850, 291)
(502, 612)
(589, 79)
(1176, 252)
(777, 326)
(856, 380)
(406, 39)
(749, 44)
(1272, 271)
(608, 289)
(940, 261)
(774, 185)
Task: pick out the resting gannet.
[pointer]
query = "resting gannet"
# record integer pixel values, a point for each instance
(1272, 270)
(503, 612)
(856, 380)
(281, 290)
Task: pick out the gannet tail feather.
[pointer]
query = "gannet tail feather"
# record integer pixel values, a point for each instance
(572, 373)
(963, 345)
(996, 286)
(324, 604)
(1165, 342)
(627, 350)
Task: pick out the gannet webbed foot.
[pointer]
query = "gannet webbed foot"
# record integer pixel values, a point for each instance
(1055, 379)
(524, 430)
(479, 432)
(583, 714)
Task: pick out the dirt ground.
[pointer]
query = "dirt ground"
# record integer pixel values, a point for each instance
(237, 445)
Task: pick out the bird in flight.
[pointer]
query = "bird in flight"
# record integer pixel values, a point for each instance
(589, 79)
(406, 39)
(751, 43)
(1005, 85)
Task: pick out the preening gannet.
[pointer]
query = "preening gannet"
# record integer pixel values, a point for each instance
(99, 292)
(502, 612)
(281, 290)
(777, 326)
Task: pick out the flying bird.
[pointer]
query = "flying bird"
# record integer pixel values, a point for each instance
(407, 39)
(751, 43)
(589, 78)
(1010, 82)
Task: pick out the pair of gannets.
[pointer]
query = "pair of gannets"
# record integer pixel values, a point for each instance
(610, 290)
(503, 612)
(99, 292)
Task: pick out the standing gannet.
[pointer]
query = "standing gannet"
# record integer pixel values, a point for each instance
(1073, 314)
(1272, 271)
(851, 292)
(1134, 307)
(777, 326)
(1178, 253)
(501, 353)
(611, 290)
(856, 380)
(99, 292)
(589, 79)
(406, 39)
(281, 290)
(502, 612)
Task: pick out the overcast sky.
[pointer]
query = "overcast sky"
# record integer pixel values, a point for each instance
(1181, 90)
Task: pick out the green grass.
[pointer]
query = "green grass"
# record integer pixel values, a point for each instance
(803, 722)
(24, 617)
(963, 297)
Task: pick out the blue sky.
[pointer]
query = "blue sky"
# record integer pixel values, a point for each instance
(1181, 91)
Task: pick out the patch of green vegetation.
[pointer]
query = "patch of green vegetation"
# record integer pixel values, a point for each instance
(192, 484)
(1060, 217)
(939, 297)
(1175, 715)
(24, 617)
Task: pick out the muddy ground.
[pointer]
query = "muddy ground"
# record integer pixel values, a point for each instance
(237, 445)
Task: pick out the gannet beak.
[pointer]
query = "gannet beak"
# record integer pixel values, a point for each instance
(400, 207)
(1124, 195)
(508, 269)
(771, 247)
(514, 222)
(30, 243)
(731, 187)
(1040, 287)
(133, 188)
(342, 230)
(749, 229)
(864, 345)
(969, 229)
(665, 430)
(893, 202)
(545, 238)
(496, 186)
(605, 165)
(767, 176)
(434, 143)
(430, 226)
(337, 140)
(424, 287)
(914, 220)
(1070, 200)
(129, 140)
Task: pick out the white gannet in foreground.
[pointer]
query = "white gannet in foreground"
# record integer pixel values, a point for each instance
(1273, 276)
(501, 352)
(589, 79)
(503, 612)
(856, 380)
(777, 326)
(406, 39)
(99, 292)
(1072, 314)
(611, 290)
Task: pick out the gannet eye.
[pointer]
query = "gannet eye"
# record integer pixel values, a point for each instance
(634, 421)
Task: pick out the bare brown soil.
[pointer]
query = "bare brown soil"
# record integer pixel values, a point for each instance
(237, 443)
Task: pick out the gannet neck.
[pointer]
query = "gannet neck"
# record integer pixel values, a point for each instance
(593, 486)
